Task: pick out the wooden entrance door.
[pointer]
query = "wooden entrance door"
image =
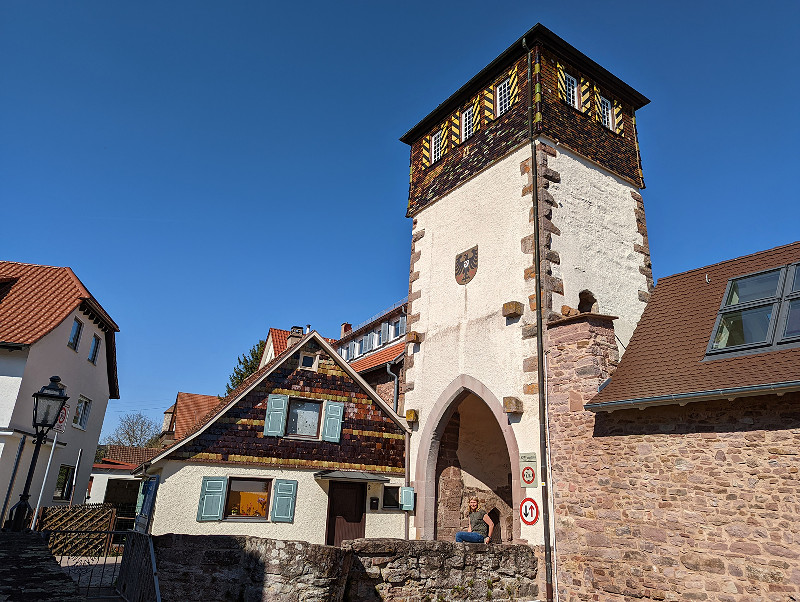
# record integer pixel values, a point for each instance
(346, 512)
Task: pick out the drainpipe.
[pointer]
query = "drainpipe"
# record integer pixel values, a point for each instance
(543, 451)
(396, 384)
(13, 477)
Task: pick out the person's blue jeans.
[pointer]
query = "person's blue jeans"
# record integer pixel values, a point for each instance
(469, 537)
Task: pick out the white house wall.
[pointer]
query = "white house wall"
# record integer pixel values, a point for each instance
(179, 494)
(47, 357)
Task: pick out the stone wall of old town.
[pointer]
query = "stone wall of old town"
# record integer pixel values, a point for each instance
(250, 568)
(694, 502)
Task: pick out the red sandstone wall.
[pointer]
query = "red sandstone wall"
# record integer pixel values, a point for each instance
(700, 502)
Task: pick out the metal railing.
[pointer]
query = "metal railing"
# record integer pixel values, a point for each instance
(107, 564)
(402, 301)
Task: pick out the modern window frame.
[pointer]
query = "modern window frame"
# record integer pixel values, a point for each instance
(780, 304)
(320, 414)
(502, 96)
(244, 517)
(607, 119)
(467, 123)
(575, 101)
(94, 350)
(74, 340)
(82, 411)
(437, 146)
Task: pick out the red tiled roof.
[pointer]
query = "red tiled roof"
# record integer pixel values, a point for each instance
(107, 464)
(667, 351)
(279, 340)
(34, 299)
(189, 408)
(380, 357)
(129, 454)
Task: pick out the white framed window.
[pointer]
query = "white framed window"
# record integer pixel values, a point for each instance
(606, 113)
(75, 335)
(81, 417)
(436, 146)
(571, 91)
(391, 497)
(503, 96)
(308, 361)
(467, 123)
(94, 351)
(303, 419)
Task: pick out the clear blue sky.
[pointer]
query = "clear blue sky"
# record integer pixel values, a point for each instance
(211, 169)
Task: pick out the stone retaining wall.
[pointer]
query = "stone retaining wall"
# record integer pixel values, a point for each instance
(218, 567)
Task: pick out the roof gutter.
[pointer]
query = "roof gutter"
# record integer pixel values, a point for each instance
(780, 388)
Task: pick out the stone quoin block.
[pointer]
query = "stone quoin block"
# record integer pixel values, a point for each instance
(413, 337)
(412, 415)
(512, 405)
(513, 309)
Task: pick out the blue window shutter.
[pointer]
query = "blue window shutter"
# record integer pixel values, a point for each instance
(283, 501)
(212, 499)
(402, 325)
(275, 420)
(407, 498)
(332, 427)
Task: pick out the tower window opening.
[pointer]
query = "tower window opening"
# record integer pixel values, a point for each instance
(587, 303)
(571, 85)
(503, 96)
(436, 146)
(606, 113)
(467, 123)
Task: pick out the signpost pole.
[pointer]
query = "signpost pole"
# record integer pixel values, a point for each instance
(58, 428)
(44, 481)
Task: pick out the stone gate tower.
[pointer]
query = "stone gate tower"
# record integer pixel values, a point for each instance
(471, 357)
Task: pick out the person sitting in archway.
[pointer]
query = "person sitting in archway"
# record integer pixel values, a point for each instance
(480, 525)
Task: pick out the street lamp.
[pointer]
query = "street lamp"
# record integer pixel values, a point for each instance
(47, 405)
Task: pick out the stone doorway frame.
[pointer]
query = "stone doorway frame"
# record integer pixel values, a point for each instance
(428, 452)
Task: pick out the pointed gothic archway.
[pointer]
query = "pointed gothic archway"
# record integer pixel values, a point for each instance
(440, 466)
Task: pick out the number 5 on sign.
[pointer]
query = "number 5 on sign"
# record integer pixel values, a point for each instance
(529, 511)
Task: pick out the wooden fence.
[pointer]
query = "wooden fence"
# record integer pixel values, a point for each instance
(86, 517)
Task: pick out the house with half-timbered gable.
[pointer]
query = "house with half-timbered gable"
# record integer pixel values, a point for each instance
(304, 449)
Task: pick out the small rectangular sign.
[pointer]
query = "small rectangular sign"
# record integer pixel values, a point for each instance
(529, 470)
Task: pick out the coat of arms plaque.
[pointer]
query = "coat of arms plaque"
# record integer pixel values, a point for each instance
(466, 265)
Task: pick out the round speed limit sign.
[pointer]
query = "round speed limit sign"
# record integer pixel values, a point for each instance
(529, 511)
(528, 475)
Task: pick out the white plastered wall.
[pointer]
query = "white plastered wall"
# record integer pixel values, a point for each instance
(179, 494)
(50, 356)
(465, 331)
(596, 246)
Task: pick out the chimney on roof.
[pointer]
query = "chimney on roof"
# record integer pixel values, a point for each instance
(294, 335)
(346, 327)
(308, 328)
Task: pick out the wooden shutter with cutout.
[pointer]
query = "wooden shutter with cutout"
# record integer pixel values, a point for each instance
(212, 499)
(283, 501)
(332, 424)
(275, 420)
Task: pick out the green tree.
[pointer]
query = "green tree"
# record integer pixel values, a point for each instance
(245, 365)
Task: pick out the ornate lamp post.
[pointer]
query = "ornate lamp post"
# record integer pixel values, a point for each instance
(47, 405)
